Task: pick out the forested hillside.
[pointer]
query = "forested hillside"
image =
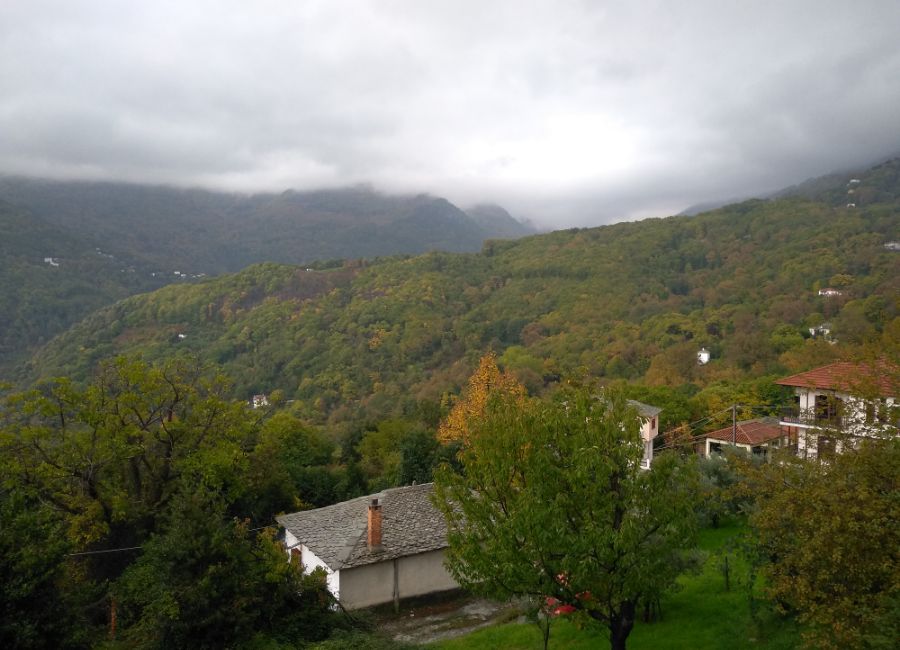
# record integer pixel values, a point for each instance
(112, 240)
(50, 279)
(633, 301)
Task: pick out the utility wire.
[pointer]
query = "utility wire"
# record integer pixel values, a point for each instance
(134, 548)
(107, 550)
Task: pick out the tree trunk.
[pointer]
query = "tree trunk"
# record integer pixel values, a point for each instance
(621, 624)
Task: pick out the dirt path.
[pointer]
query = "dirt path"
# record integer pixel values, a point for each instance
(449, 617)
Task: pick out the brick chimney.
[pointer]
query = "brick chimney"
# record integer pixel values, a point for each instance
(373, 536)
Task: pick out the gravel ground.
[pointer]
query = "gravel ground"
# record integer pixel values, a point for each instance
(444, 618)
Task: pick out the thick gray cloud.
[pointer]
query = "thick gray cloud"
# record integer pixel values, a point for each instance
(569, 113)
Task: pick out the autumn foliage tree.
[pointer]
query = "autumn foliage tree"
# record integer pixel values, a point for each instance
(487, 381)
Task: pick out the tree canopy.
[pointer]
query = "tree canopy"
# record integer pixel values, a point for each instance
(829, 541)
(150, 489)
(550, 502)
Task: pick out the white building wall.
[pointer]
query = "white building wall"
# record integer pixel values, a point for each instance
(853, 419)
(311, 562)
(649, 430)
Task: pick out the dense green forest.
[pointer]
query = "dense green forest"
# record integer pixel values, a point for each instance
(111, 240)
(50, 279)
(634, 302)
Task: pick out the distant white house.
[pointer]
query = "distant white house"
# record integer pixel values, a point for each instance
(823, 330)
(52, 261)
(829, 292)
(854, 181)
(892, 245)
(259, 401)
(374, 549)
(649, 429)
(840, 401)
(703, 356)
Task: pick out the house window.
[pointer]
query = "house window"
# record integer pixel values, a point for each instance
(828, 408)
(825, 447)
(715, 447)
(652, 423)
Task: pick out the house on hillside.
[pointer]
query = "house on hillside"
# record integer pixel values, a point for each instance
(649, 429)
(374, 549)
(829, 292)
(703, 356)
(759, 436)
(843, 400)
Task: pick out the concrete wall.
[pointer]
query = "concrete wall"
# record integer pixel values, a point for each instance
(414, 575)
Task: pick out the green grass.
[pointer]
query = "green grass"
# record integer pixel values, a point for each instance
(700, 615)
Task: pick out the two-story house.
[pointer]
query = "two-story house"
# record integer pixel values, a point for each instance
(838, 403)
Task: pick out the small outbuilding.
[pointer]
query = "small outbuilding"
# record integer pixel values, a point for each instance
(757, 436)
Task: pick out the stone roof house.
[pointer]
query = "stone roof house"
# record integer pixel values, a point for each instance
(374, 549)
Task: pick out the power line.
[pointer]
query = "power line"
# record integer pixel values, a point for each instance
(107, 550)
(134, 548)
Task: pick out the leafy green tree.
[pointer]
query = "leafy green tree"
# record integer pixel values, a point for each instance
(150, 458)
(207, 581)
(40, 606)
(551, 502)
(108, 456)
(831, 541)
(419, 455)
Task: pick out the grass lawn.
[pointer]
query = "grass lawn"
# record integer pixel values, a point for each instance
(700, 615)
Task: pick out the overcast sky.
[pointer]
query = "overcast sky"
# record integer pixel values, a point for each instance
(568, 113)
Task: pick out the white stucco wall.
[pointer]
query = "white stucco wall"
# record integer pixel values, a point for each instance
(649, 430)
(311, 562)
(853, 419)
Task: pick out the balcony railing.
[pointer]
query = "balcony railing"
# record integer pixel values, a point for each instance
(809, 418)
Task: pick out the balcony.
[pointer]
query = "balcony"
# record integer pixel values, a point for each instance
(810, 418)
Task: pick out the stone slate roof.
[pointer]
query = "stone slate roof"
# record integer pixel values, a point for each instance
(645, 410)
(337, 533)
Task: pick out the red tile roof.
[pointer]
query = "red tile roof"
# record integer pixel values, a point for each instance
(750, 432)
(849, 377)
